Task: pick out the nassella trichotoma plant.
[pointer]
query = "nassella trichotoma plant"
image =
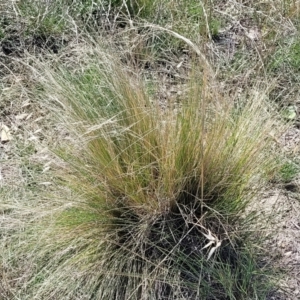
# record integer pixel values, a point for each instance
(158, 196)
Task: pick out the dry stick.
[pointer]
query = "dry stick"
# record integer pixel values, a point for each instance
(206, 20)
(202, 139)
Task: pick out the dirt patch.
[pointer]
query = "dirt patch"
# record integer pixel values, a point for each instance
(284, 246)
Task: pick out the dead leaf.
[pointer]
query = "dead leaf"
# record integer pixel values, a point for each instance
(21, 116)
(179, 65)
(26, 103)
(212, 240)
(207, 245)
(209, 236)
(29, 116)
(5, 135)
(212, 250)
(253, 34)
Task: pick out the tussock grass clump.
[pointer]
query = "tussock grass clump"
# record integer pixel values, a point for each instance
(158, 196)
